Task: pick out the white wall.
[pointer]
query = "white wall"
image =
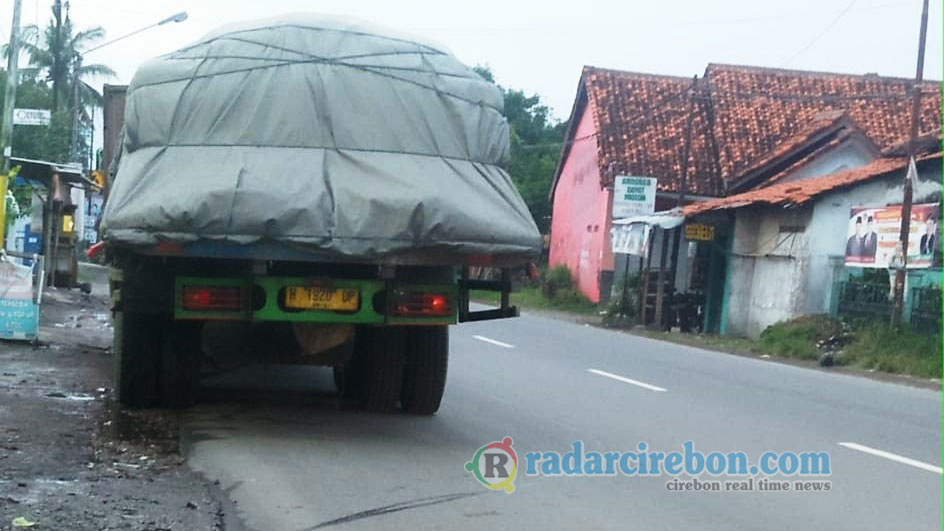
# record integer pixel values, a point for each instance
(776, 276)
(852, 153)
(768, 268)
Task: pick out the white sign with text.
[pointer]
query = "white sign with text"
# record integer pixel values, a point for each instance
(31, 116)
(633, 196)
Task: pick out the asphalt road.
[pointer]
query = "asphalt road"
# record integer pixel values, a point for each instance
(292, 460)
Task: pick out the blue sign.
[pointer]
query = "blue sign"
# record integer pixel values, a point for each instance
(19, 319)
(19, 315)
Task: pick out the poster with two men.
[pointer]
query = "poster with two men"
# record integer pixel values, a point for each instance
(873, 233)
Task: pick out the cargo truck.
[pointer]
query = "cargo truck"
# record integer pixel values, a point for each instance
(309, 178)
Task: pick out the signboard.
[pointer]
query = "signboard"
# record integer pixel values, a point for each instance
(31, 116)
(630, 239)
(19, 316)
(94, 212)
(699, 232)
(633, 196)
(872, 234)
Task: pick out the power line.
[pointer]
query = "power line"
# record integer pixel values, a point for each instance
(820, 35)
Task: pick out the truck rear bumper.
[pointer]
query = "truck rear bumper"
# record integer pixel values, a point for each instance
(299, 299)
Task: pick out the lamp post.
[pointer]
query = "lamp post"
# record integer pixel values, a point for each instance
(76, 104)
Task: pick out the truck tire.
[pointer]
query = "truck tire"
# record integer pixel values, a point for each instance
(380, 355)
(136, 354)
(424, 376)
(142, 293)
(181, 356)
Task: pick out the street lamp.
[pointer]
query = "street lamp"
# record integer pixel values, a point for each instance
(179, 17)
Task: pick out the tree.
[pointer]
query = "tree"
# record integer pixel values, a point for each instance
(48, 82)
(535, 147)
(34, 141)
(54, 56)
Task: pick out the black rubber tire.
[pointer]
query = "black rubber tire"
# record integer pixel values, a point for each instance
(380, 355)
(136, 354)
(181, 356)
(424, 375)
(338, 374)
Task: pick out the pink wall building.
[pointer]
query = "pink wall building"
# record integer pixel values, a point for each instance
(580, 226)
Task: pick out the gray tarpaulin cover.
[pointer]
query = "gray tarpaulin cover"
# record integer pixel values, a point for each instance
(322, 133)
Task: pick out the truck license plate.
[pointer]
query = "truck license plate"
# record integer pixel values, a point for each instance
(316, 298)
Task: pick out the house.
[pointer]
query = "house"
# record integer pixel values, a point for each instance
(750, 127)
(787, 244)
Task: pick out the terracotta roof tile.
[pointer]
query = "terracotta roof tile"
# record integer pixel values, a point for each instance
(826, 129)
(798, 192)
(640, 119)
(743, 115)
(758, 108)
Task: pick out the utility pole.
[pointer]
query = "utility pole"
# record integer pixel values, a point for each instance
(57, 55)
(9, 96)
(898, 305)
(76, 108)
(76, 61)
(9, 102)
(683, 189)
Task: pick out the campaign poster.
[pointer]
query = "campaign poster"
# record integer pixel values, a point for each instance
(872, 235)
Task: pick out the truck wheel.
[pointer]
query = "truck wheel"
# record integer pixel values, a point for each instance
(380, 353)
(181, 355)
(136, 349)
(424, 376)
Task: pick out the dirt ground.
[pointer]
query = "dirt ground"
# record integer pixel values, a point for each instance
(69, 460)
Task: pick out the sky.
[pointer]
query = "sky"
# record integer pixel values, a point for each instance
(541, 46)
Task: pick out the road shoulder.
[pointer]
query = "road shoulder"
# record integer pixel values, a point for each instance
(68, 459)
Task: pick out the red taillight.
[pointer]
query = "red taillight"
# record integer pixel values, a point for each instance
(211, 298)
(413, 304)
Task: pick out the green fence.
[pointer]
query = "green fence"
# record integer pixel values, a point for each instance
(863, 299)
(926, 309)
(870, 300)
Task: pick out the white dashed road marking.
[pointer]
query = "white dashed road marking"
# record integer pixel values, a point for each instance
(894, 457)
(493, 341)
(628, 380)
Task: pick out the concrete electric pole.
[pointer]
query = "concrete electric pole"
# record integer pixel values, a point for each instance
(898, 304)
(9, 96)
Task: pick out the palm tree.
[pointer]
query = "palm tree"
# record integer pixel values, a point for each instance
(54, 54)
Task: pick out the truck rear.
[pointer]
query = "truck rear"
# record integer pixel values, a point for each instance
(313, 187)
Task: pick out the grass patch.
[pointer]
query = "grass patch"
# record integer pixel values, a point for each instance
(798, 338)
(878, 347)
(731, 344)
(865, 345)
(869, 345)
(532, 297)
(554, 289)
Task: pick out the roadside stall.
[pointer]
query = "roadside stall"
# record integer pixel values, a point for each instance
(677, 260)
(57, 219)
